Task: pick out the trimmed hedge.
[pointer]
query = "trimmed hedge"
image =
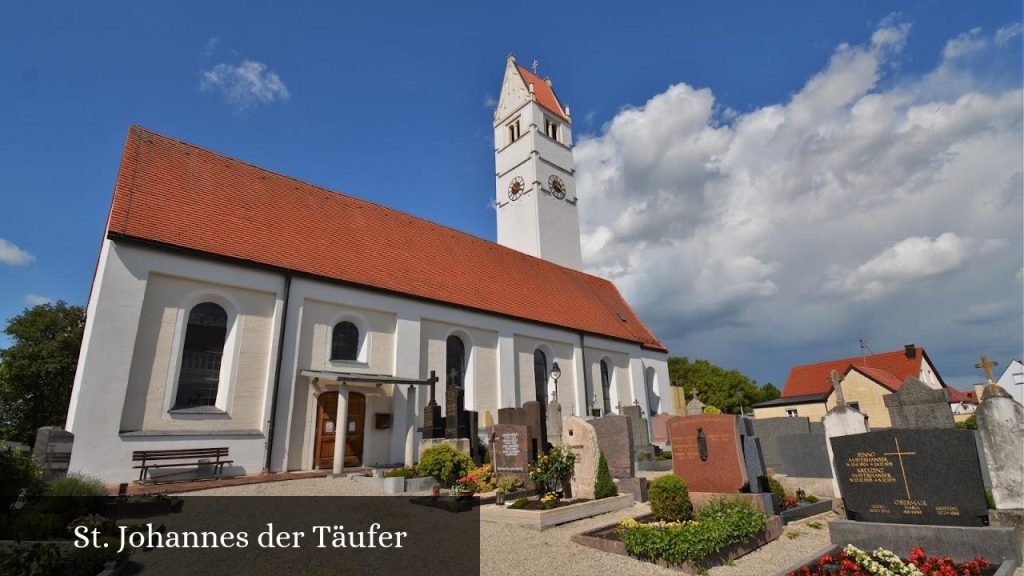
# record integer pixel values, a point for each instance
(670, 499)
(445, 464)
(716, 526)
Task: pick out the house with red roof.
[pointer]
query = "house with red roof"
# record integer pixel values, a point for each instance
(865, 380)
(300, 328)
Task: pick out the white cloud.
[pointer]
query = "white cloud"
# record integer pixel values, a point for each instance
(865, 205)
(1007, 33)
(248, 84)
(965, 43)
(36, 300)
(908, 261)
(12, 255)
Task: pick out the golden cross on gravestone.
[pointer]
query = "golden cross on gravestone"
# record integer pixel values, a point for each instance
(836, 385)
(900, 454)
(986, 365)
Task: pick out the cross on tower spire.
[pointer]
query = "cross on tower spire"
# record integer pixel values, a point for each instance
(535, 64)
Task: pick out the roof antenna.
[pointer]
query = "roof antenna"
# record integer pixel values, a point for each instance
(534, 66)
(864, 346)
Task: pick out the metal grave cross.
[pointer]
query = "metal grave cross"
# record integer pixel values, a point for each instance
(900, 454)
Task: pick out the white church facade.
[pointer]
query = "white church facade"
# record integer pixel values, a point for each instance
(236, 307)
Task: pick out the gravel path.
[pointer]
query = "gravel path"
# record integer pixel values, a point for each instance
(508, 550)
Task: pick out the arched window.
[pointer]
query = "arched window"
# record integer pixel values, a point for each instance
(455, 365)
(606, 387)
(205, 334)
(540, 376)
(345, 341)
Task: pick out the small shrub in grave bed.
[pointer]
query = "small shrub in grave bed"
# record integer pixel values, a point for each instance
(520, 503)
(485, 478)
(670, 499)
(34, 525)
(74, 496)
(510, 484)
(604, 486)
(715, 527)
(400, 473)
(445, 464)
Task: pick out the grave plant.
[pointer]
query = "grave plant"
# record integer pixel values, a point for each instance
(553, 468)
(670, 499)
(445, 464)
(604, 486)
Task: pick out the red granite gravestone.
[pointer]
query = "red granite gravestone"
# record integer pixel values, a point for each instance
(659, 429)
(512, 451)
(706, 452)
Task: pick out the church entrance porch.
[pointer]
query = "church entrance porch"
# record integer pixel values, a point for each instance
(326, 423)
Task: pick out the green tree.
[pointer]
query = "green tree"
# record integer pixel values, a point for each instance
(38, 369)
(726, 389)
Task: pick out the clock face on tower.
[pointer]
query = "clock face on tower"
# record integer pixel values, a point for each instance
(557, 187)
(516, 188)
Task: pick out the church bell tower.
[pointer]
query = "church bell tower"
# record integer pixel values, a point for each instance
(536, 186)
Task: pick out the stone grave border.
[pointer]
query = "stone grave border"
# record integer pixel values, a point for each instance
(963, 543)
(543, 519)
(772, 531)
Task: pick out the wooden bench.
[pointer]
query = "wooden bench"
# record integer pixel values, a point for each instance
(178, 458)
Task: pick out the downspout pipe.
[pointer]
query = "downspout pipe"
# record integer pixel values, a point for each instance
(277, 371)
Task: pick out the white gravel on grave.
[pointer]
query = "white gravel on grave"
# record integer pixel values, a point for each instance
(513, 550)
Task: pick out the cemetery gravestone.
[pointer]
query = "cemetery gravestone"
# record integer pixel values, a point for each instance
(641, 436)
(805, 456)
(707, 454)
(579, 436)
(1001, 426)
(659, 428)
(535, 424)
(52, 451)
(841, 421)
(769, 430)
(911, 477)
(915, 405)
(695, 407)
(511, 451)
(757, 475)
(615, 440)
(554, 422)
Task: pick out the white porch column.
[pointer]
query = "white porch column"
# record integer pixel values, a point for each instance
(340, 429)
(410, 425)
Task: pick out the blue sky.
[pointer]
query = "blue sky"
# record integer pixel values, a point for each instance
(390, 102)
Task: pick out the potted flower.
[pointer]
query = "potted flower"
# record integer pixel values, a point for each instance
(465, 487)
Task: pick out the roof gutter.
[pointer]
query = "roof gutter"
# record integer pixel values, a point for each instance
(277, 371)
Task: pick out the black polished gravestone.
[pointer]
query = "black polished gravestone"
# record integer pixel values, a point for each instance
(911, 477)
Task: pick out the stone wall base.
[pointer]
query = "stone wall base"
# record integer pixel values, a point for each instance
(963, 543)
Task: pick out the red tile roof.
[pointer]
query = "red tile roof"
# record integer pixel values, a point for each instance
(961, 396)
(545, 95)
(813, 378)
(883, 377)
(177, 194)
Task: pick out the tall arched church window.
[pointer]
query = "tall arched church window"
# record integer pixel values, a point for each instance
(540, 376)
(205, 334)
(606, 386)
(345, 341)
(455, 365)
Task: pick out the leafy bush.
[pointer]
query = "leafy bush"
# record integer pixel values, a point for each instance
(91, 560)
(37, 559)
(73, 496)
(776, 488)
(403, 472)
(553, 467)
(30, 525)
(718, 525)
(444, 463)
(604, 487)
(709, 409)
(670, 499)
(519, 503)
(664, 455)
(484, 476)
(510, 484)
(971, 423)
(811, 498)
(19, 472)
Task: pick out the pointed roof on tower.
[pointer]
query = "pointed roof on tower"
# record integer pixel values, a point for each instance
(543, 92)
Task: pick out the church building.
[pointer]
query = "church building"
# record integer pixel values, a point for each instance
(236, 307)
